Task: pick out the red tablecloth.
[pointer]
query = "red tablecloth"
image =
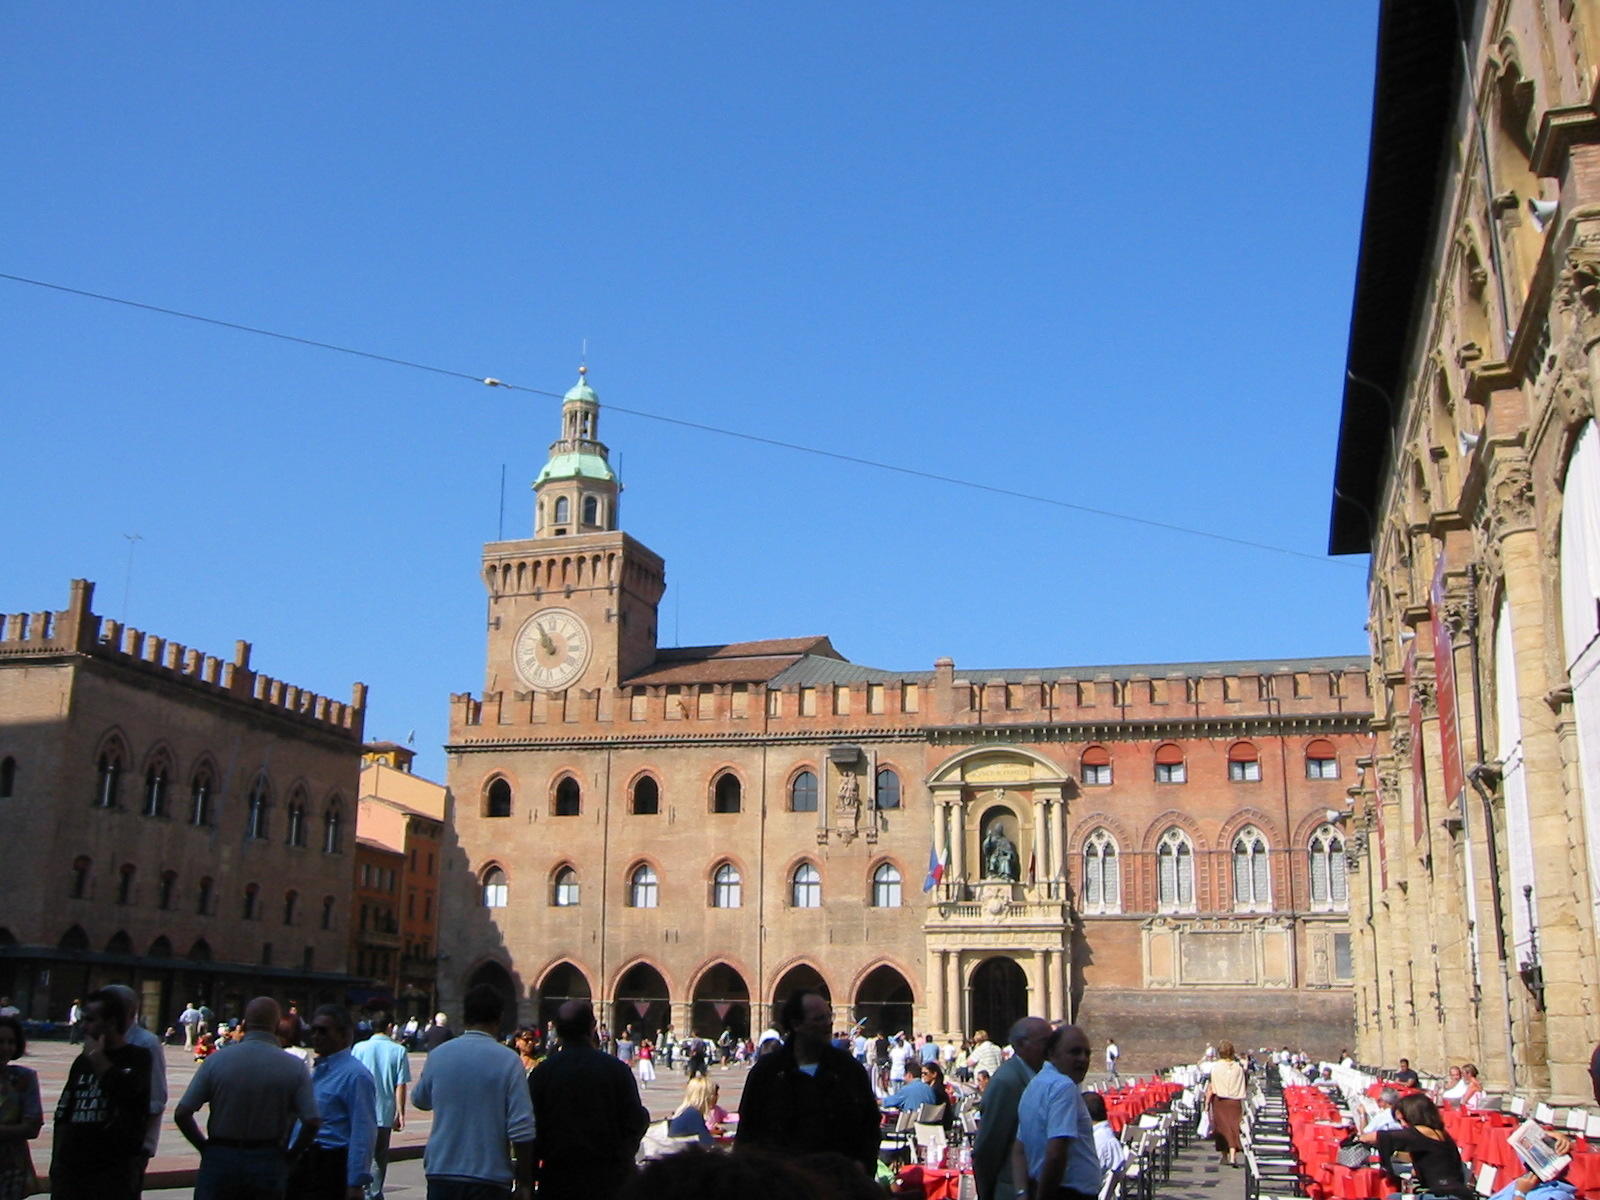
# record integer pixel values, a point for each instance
(1354, 1183)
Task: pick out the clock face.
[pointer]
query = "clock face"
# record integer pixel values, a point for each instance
(552, 649)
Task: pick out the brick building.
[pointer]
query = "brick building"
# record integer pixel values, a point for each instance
(400, 825)
(170, 820)
(686, 834)
(1469, 468)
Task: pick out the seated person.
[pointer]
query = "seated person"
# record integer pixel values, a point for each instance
(693, 1118)
(1405, 1076)
(1435, 1160)
(1107, 1146)
(1474, 1096)
(1531, 1187)
(918, 1092)
(1384, 1118)
(1455, 1086)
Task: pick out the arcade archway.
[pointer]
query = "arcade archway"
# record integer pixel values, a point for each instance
(884, 1003)
(800, 977)
(561, 983)
(999, 996)
(721, 1001)
(492, 974)
(641, 1001)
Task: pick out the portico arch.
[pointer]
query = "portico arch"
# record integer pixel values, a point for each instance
(998, 995)
(493, 974)
(884, 1002)
(641, 999)
(1013, 789)
(561, 983)
(721, 1001)
(801, 976)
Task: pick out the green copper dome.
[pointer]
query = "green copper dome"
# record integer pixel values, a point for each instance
(578, 464)
(581, 391)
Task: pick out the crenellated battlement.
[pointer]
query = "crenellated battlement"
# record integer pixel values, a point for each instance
(78, 630)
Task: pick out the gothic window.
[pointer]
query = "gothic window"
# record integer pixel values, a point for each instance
(805, 887)
(727, 889)
(1252, 877)
(200, 788)
(497, 799)
(291, 901)
(203, 897)
(1329, 885)
(125, 884)
(8, 777)
(495, 889)
(109, 779)
(1322, 760)
(260, 806)
(643, 891)
(886, 886)
(1102, 878)
(155, 786)
(1095, 767)
(79, 887)
(332, 829)
(252, 902)
(565, 892)
(646, 801)
(1244, 763)
(803, 792)
(169, 884)
(887, 789)
(1174, 872)
(726, 794)
(297, 819)
(569, 797)
(1169, 764)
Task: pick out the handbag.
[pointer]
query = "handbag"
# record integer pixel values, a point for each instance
(1205, 1126)
(1354, 1154)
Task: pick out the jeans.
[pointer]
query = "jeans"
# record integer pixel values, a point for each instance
(228, 1173)
(466, 1189)
(380, 1162)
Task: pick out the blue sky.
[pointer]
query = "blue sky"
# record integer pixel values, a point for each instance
(1100, 253)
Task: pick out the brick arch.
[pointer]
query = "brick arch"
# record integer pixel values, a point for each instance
(734, 860)
(731, 961)
(1167, 820)
(1309, 824)
(949, 771)
(775, 976)
(1100, 819)
(490, 864)
(114, 736)
(1270, 828)
(637, 960)
(893, 963)
(159, 750)
(559, 960)
(786, 872)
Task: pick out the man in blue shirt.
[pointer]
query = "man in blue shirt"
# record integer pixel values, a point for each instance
(1054, 1156)
(334, 1166)
(391, 1072)
(917, 1092)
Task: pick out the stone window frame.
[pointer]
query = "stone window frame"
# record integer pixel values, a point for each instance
(644, 886)
(886, 892)
(807, 892)
(792, 790)
(1252, 889)
(1175, 843)
(494, 886)
(727, 885)
(1098, 847)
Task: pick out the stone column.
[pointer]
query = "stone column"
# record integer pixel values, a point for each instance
(955, 997)
(1041, 843)
(938, 1005)
(958, 837)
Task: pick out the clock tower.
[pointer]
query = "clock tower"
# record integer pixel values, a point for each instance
(574, 606)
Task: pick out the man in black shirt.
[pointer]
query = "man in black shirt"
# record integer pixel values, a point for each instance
(1405, 1076)
(587, 1118)
(104, 1106)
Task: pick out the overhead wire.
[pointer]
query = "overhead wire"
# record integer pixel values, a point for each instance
(699, 426)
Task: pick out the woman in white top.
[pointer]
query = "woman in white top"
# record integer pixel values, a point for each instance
(1225, 1098)
(1455, 1086)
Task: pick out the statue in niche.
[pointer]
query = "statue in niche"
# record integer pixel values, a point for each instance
(850, 798)
(1000, 855)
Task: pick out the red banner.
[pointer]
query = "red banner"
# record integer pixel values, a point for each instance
(641, 1007)
(723, 1009)
(1444, 673)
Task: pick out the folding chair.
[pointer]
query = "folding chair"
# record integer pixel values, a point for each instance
(895, 1144)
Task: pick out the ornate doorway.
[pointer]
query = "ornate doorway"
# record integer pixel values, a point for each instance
(999, 996)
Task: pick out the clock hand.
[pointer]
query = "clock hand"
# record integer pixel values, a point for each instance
(545, 641)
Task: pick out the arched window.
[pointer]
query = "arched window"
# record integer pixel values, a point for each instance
(169, 884)
(887, 789)
(1244, 763)
(203, 898)
(1252, 878)
(79, 887)
(1102, 876)
(1322, 760)
(1329, 885)
(564, 894)
(200, 788)
(252, 902)
(643, 891)
(256, 824)
(109, 780)
(8, 777)
(332, 829)
(569, 797)
(646, 800)
(155, 786)
(1095, 767)
(1174, 872)
(803, 792)
(805, 887)
(497, 799)
(563, 512)
(726, 794)
(727, 890)
(125, 884)
(495, 888)
(291, 901)
(1169, 763)
(591, 510)
(886, 886)
(297, 819)
(328, 903)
